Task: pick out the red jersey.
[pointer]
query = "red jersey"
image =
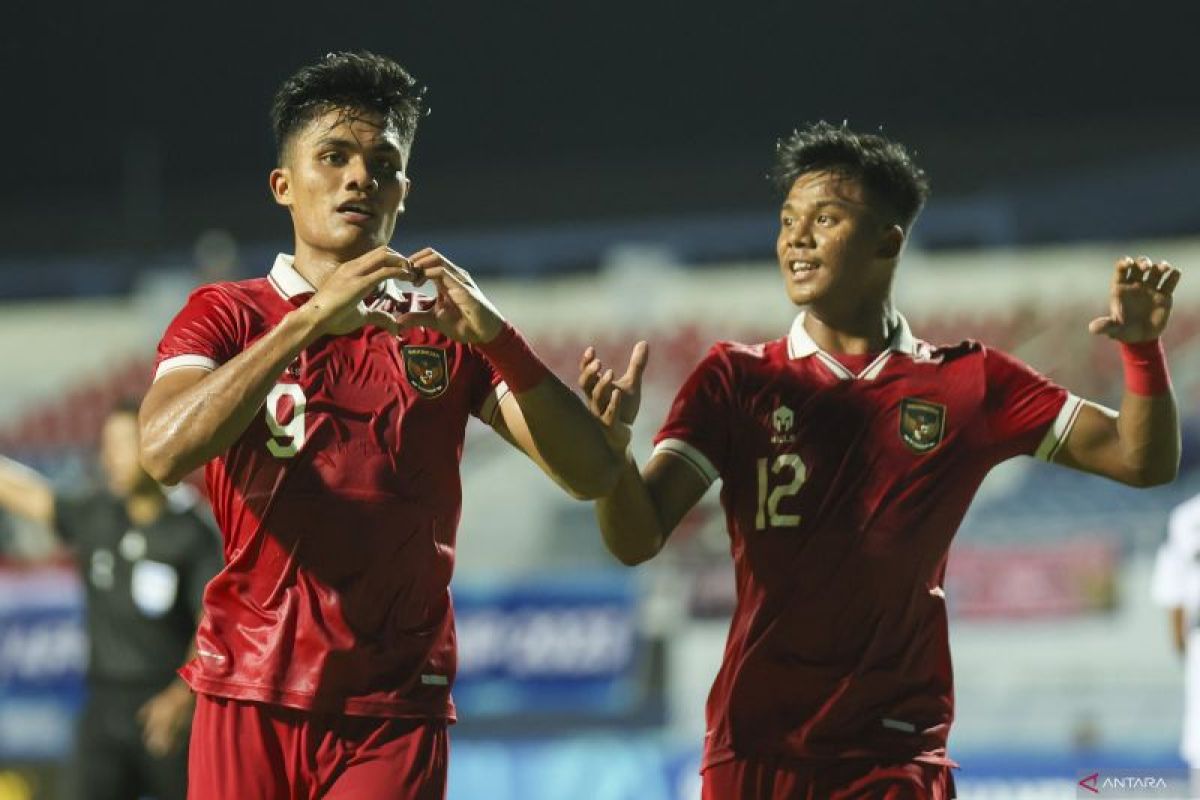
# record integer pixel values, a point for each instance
(842, 492)
(338, 506)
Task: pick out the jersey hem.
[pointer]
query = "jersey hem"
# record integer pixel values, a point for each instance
(722, 755)
(351, 706)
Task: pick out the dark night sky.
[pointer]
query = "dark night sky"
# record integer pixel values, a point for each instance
(568, 110)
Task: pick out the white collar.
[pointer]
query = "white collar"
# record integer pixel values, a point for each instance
(901, 340)
(286, 280)
(290, 283)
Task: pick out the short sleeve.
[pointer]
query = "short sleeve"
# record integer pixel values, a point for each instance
(206, 333)
(1027, 413)
(205, 561)
(487, 388)
(697, 426)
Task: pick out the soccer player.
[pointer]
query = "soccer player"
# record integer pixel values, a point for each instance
(848, 451)
(144, 564)
(1176, 587)
(328, 406)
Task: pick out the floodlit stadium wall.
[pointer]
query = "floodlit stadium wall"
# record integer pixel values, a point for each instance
(584, 679)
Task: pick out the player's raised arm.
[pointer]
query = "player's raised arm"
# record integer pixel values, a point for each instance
(540, 415)
(191, 415)
(642, 509)
(1140, 445)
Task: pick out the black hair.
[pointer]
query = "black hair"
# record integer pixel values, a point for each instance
(353, 83)
(884, 167)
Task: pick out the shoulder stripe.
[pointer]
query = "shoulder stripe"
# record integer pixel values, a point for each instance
(181, 362)
(694, 458)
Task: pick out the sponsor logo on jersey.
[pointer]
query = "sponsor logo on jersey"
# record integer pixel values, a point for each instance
(922, 424)
(782, 422)
(426, 370)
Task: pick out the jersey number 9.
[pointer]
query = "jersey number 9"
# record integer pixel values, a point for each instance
(287, 438)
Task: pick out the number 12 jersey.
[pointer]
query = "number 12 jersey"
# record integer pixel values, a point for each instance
(842, 492)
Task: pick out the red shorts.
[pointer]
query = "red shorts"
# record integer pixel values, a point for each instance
(253, 751)
(770, 779)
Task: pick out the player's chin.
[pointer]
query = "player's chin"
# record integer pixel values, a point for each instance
(803, 293)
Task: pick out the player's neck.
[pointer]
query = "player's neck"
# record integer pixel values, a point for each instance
(861, 332)
(314, 266)
(145, 505)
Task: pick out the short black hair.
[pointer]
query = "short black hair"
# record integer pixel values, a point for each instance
(884, 167)
(351, 82)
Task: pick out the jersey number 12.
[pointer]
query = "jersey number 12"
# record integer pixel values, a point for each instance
(769, 498)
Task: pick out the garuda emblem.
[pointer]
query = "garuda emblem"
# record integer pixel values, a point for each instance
(426, 370)
(922, 424)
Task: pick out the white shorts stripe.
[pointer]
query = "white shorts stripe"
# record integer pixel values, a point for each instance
(180, 362)
(694, 458)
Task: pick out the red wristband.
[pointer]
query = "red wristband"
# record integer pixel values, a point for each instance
(1145, 368)
(514, 359)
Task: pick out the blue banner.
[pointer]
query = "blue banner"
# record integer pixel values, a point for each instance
(556, 645)
(563, 644)
(43, 654)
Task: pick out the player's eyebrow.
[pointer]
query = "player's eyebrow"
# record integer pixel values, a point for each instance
(789, 206)
(382, 145)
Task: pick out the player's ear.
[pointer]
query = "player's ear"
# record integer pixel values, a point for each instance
(405, 188)
(892, 242)
(281, 186)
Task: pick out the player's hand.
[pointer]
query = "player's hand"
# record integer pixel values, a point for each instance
(165, 717)
(338, 305)
(1140, 302)
(614, 401)
(460, 310)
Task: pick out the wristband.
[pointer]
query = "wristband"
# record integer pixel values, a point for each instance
(1145, 368)
(514, 360)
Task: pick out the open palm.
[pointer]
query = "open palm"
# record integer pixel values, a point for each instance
(1139, 301)
(615, 401)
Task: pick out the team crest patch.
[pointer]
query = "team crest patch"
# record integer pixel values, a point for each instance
(425, 368)
(922, 424)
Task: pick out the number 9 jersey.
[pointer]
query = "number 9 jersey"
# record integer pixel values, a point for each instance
(338, 507)
(842, 492)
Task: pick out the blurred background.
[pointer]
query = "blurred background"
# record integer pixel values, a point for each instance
(600, 170)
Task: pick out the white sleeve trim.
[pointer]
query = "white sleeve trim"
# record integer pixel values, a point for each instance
(691, 456)
(180, 362)
(491, 403)
(1052, 442)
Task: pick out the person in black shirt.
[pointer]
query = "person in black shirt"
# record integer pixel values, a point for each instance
(145, 563)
